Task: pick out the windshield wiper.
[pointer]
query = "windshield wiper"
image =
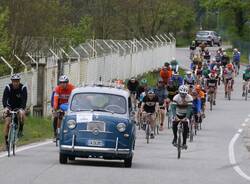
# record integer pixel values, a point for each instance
(102, 110)
(77, 110)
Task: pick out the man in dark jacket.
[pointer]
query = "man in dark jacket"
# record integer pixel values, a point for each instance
(14, 97)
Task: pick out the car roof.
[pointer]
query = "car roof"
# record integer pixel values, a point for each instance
(101, 89)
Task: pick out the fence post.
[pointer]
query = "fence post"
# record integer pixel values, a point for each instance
(6, 62)
(79, 64)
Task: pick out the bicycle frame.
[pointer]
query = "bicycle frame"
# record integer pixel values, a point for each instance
(13, 131)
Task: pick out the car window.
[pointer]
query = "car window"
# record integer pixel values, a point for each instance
(98, 101)
(202, 33)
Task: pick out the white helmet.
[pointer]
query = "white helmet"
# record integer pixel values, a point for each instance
(64, 78)
(188, 72)
(235, 50)
(15, 76)
(183, 90)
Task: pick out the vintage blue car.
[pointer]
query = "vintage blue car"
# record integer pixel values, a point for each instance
(98, 124)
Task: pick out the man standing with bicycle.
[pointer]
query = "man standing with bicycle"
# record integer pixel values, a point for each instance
(61, 96)
(14, 97)
(150, 104)
(181, 110)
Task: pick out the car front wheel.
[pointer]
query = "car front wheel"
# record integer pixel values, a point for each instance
(63, 159)
(128, 162)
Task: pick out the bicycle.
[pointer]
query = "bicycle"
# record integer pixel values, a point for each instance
(229, 89)
(170, 118)
(13, 132)
(211, 96)
(60, 115)
(180, 130)
(148, 118)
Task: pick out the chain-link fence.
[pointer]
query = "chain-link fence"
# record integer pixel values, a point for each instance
(96, 60)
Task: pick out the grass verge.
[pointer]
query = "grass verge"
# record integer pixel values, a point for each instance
(35, 129)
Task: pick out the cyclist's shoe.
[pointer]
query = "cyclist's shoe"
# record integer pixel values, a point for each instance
(20, 134)
(174, 142)
(243, 94)
(184, 146)
(214, 103)
(152, 136)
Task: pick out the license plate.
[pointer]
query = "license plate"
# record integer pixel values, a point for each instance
(95, 143)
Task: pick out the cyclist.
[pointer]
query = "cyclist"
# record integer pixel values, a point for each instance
(212, 84)
(192, 49)
(174, 65)
(162, 94)
(225, 59)
(189, 80)
(172, 89)
(14, 97)
(133, 87)
(181, 109)
(177, 79)
(196, 108)
(202, 47)
(143, 87)
(228, 74)
(62, 93)
(207, 55)
(246, 78)
(150, 104)
(236, 59)
(202, 97)
(166, 73)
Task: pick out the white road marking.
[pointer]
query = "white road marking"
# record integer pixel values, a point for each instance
(247, 119)
(232, 156)
(243, 124)
(27, 147)
(240, 130)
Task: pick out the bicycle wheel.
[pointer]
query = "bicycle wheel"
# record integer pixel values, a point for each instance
(211, 101)
(191, 132)
(10, 139)
(229, 94)
(179, 145)
(246, 92)
(147, 132)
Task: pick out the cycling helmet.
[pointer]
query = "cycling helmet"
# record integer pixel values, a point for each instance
(229, 65)
(132, 79)
(144, 81)
(151, 91)
(63, 79)
(166, 64)
(183, 90)
(15, 76)
(235, 50)
(188, 72)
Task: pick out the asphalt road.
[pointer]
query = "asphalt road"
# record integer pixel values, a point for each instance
(206, 161)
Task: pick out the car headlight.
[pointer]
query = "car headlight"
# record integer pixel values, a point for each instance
(71, 124)
(121, 127)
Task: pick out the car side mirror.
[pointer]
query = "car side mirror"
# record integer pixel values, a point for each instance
(64, 107)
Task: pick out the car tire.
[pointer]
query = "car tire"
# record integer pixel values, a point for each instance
(128, 162)
(72, 158)
(63, 159)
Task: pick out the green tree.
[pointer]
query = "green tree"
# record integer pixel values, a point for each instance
(4, 38)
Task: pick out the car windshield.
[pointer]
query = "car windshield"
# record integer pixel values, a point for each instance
(202, 33)
(98, 102)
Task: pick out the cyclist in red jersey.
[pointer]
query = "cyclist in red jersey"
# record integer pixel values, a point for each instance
(61, 96)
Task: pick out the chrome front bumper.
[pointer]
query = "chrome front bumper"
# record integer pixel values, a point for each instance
(95, 149)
